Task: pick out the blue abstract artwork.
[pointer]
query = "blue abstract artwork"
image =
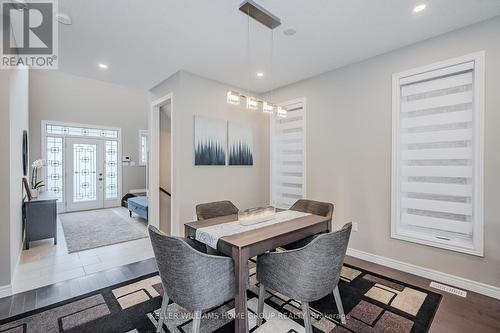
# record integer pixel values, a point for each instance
(240, 144)
(209, 141)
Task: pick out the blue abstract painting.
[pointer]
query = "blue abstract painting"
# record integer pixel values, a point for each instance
(209, 141)
(240, 144)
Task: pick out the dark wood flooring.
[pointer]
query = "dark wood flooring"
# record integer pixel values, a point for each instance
(476, 313)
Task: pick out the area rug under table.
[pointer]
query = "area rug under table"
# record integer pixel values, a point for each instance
(96, 228)
(373, 303)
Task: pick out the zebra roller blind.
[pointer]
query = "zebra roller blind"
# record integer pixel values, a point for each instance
(437, 155)
(288, 156)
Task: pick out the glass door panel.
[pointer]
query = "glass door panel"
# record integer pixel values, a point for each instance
(84, 161)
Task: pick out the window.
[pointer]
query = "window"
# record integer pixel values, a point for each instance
(111, 169)
(55, 172)
(437, 153)
(143, 147)
(288, 156)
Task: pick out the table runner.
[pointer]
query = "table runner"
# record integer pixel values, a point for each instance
(210, 235)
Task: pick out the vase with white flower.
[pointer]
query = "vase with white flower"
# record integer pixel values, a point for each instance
(36, 184)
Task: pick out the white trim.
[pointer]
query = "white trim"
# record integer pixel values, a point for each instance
(453, 280)
(5, 291)
(154, 166)
(61, 207)
(474, 246)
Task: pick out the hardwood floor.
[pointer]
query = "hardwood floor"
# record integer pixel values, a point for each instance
(475, 313)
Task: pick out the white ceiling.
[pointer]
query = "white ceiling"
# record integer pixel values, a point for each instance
(146, 41)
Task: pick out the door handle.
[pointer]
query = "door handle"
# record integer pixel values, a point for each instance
(100, 178)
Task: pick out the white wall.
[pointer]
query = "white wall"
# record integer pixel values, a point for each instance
(61, 97)
(245, 186)
(349, 148)
(13, 121)
(19, 83)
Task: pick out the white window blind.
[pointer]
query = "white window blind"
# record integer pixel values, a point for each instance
(288, 156)
(437, 155)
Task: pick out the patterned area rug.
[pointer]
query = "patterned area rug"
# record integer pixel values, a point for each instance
(373, 303)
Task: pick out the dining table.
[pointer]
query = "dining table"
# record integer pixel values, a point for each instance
(245, 245)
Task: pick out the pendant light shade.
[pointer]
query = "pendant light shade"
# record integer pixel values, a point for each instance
(252, 103)
(281, 112)
(267, 107)
(233, 98)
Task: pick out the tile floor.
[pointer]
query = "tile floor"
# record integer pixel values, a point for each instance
(44, 264)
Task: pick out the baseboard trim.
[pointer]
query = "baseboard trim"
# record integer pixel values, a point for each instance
(452, 280)
(5, 291)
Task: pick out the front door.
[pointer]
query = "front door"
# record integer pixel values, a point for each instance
(84, 174)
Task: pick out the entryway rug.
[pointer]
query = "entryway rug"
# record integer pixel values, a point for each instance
(373, 303)
(96, 228)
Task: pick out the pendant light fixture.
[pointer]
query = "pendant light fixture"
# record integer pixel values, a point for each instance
(260, 14)
(233, 98)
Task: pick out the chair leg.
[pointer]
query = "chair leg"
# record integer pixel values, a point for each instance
(338, 301)
(307, 317)
(163, 312)
(196, 321)
(247, 317)
(260, 307)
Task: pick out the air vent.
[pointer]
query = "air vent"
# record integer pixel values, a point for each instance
(449, 289)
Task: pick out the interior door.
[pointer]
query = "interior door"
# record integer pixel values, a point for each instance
(84, 174)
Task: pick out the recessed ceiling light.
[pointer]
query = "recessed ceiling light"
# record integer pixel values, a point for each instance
(64, 19)
(419, 8)
(103, 66)
(260, 74)
(290, 31)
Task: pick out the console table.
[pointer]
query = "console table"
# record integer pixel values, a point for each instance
(40, 218)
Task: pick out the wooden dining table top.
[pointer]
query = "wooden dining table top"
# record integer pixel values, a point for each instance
(300, 228)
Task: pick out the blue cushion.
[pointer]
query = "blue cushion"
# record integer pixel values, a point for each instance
(140, 201)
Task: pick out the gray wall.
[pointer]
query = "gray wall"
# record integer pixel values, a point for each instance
(5, 270)
(245, 186)
(61, 97)
(349, 148)
(165, 167)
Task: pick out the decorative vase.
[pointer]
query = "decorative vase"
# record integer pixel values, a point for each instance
(34, 192)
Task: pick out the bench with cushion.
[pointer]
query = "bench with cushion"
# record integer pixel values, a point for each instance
(138, 205)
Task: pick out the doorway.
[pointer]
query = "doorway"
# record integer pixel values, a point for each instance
(162, 196)
(83, 166)
(84, 170)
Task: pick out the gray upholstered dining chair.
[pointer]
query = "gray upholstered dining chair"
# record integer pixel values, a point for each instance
(192, 279)
(211, 210)
(306, 274)
(313, 207)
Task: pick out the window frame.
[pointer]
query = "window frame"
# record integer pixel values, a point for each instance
(470, 245)
(141, 134)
